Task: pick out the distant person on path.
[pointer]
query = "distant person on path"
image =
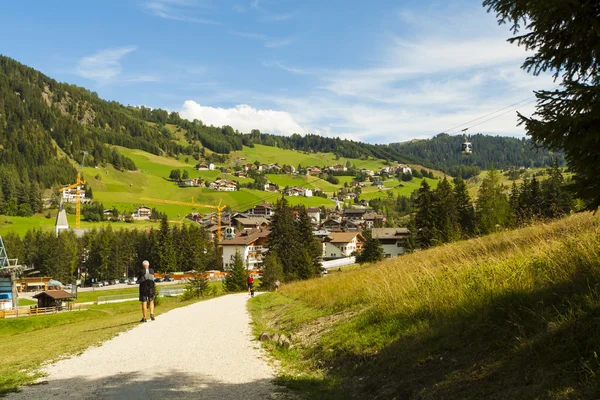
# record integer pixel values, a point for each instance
(277, 283)
(250, 285)
(146, 281)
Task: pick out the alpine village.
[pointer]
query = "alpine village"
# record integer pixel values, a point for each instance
(459, 264)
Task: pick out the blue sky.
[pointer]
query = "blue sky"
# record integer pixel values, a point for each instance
(379, 71)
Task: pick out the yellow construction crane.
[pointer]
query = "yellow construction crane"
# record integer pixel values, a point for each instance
(218, 207)
(77, 186)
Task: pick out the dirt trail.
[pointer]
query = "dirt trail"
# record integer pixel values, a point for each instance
(202, 351)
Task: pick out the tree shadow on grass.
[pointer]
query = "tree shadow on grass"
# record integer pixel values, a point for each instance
(132, 323)
(173, 384)
(521, 345)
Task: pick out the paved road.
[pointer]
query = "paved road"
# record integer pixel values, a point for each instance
(202, 351)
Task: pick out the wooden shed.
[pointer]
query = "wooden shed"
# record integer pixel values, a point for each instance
(52, 298)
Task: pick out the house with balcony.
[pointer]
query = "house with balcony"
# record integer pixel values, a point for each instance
(252, 246)
(142, 213)
(342, 244)
(373, 220)
(393, 240)
(313, 171)
(69, 195)
(264, 209)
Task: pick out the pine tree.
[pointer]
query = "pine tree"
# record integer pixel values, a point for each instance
(557, 200)
(236, 281)
(493, 211)
(424, 219)
(372, 250)
(445, 213)
(564, 38)
(283, 238)
(466, 212)
(165, 253)
(273, 271)
(196, 287)
(311, 244)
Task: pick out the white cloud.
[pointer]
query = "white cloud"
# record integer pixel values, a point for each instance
(105, 65)
(243, 118)
(179, 10)
(268, 41)
(417, 88)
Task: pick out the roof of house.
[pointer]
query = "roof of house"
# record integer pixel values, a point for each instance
(372, 215)
(253, 221)
(313, 210)
(54, 294)
(355, 211)
(389, 233)
(341, 237)
(245, 238)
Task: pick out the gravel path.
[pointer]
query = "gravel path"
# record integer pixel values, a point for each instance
(202, 351)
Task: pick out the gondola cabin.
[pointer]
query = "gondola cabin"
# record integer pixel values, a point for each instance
(466, 148)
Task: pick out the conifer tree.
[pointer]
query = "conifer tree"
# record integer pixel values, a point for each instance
(445, 213)
(557, 199)
(164, 245)
(283, 238)
(372, 250)
(273, 271)
(311, 244)
(424, 219)
(493, 211)
(466, 212)
(236, 281)
(563, 36)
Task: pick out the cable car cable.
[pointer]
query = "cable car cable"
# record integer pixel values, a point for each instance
(487, 115)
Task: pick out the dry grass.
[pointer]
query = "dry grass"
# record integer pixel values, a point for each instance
(511, 315)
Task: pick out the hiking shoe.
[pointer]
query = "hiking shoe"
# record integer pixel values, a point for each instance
(143, 320)
(152, 317)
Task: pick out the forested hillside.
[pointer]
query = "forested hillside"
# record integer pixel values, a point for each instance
(45, 126)
(443, 152)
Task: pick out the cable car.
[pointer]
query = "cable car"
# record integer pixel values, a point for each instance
(466, 148)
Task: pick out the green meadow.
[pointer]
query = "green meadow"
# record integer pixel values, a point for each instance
(124, 189)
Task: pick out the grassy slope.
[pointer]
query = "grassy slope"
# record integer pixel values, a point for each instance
(512, 315)
(124, 189)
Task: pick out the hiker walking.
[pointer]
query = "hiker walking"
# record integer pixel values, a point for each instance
(147, 290)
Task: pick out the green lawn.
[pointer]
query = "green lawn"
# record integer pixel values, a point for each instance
(21, 225)
(124, 189)
(393, 186)
(27, 343)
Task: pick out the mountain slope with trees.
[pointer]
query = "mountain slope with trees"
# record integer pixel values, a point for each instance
(45, 126)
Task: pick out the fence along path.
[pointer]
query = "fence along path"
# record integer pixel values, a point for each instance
(33, 311)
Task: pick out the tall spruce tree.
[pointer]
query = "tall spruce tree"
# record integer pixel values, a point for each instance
(372, 250)
(445, 213)
(165, 253)
(311, 244)
(283, 238)
(424, 218)
(273, 271)
(464, 205)
(236, 281)
(493, 211)
(557, 200)
(565, 39)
